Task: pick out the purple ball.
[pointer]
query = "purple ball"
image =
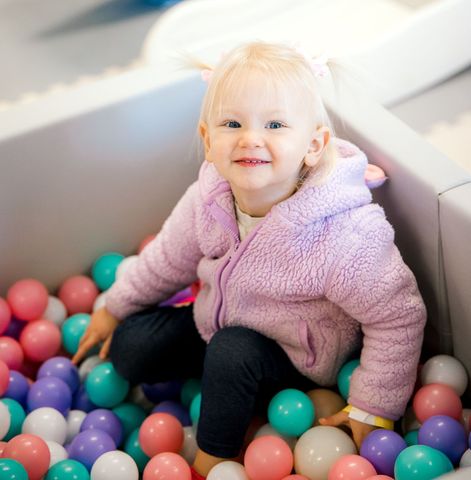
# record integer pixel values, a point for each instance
(81, 401)
(17, 388)
(50, 392)
(105, 420)
(381, 448)
(177, 298)
(63, 368)
(14, 328)
(158, 392)
(174, 408)
(88, 445)
(445, 434)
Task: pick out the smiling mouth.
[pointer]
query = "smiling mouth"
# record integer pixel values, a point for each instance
(251, 162)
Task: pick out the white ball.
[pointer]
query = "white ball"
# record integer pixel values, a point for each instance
(55, 311)
(124, 265)
(47, 423)
(114, 465)
(88, 365)
(138, 397)
(74, 421)
(5, 420)
(267, 429)
(466, 459)
(466, 416)
(100, 301)
(58, 452)
(319, 448)
(189, 447)
(447, 370)
(227, 471)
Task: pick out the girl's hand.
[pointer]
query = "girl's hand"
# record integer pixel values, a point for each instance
(359, 429)
(101, 328)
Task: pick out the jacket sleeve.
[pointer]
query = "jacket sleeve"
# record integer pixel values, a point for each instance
(372, 284)
(165, 266)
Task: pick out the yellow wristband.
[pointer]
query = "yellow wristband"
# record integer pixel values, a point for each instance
(365, 417)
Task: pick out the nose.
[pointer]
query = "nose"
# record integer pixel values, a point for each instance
(251, 138)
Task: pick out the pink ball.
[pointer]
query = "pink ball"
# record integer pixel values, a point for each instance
(2, 447)
(4, 377)
(295, 476)
(31, 451)
(352, 467)
(380, 477)
(268, 458)
(437, 399)
(40, 340)
(145, 241)
(78, 294)
(160, 432)
(167, 466)
(11, 353)
(5, 315)
(28, 299)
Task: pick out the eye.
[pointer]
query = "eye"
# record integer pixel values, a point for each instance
(232, 124)
(275, 125)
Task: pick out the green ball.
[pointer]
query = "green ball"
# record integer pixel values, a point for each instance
(72, 331)
(17, 417)
(291, 412)
(133, 448)
(68, 470)
(412, 438)
(421, 462)
(12, 470)
(105, 386)
(131, 416)
(344, 376)
(104, 269)
(190, 389)
(195, 409)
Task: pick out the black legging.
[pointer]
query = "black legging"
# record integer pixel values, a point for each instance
(240, 369)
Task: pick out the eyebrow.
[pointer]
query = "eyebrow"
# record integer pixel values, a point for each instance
(269, 113)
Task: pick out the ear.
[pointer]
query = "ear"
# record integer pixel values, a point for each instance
(204, 133)
(317, 146)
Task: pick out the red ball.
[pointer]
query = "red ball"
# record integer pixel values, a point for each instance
(160, 432)
(145, 241)
(78, 294)
(167, 466)
(11, 353)
(40, 340)
(28, 299)
(5, 315)
(4, 377)
(437, 399)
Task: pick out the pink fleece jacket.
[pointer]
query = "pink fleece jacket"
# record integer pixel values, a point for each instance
(320, 275)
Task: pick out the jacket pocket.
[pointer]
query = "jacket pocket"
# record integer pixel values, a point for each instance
(307, 343)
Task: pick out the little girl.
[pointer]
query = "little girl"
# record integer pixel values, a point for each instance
(299, 269)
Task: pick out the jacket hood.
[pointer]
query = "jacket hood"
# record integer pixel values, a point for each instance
(343, 189)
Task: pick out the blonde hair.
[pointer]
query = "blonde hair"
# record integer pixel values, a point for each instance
(279, 63)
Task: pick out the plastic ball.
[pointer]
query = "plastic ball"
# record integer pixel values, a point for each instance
(267, 429)
(4, 377)
(409, 421)
(447, 370)
(78, 293)
(195, 409)
(136, 395)
(160, 432)
(445, 434)
(14, 328)
(17, 417)
(291, 412)
(11, 353)
(167, 466)
(381, 448)
(437, 399)
(466, 419)
(412, 437)
(74, 421)
(190, 447)
(104, 269)
(12, 470)
(352, 467)
(50, 392)
(158, 392)
(227, 471)
(190, 389)
(55, 311)
(72, 331)
(125, 264)
(57, 452)
(319, 448)
(344, 376)
(105, 420)
(40, 340)
(68, 469)
(5, 315)
(133, 448)
(32, 452)
(88, 365)
(18, 387)
(100, 301)
(421, 462)
(380, 477)
(81, 400)
(268, 458)
(28, 299)
(114, 465)
(326, 403)
(295, 476)
(131, 417)
(47, 423)
(63, 368)
(145, 241)
(88, 445)
(105, 387)
(5, 420)
(465, 460)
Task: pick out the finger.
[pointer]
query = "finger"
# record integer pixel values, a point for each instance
(337, 419)
(84, 347)
(105, 348)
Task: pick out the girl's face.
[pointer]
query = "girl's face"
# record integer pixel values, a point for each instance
(261, 138)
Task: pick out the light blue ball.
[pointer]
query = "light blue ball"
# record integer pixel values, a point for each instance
(104, 269)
